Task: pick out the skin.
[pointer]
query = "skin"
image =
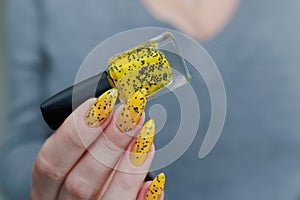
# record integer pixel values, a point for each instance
(201, 19)
(66, 168)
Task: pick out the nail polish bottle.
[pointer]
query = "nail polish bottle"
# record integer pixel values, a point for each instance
(157, 65)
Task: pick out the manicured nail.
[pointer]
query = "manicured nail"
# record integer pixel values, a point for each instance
(142, 144)
(101, 108)
(132, 111)
(156, 188)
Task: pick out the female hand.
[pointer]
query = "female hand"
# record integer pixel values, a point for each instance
(99, 154)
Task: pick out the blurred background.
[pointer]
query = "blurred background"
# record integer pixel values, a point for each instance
(2, 72)
(257, 156)
(2, 75)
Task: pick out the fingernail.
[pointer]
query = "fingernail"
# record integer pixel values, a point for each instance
(142, 144)
(101, 108)
(156, 188)
(132, 111)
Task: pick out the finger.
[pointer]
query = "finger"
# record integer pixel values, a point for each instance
(93, 170)
(153, 190)
(133, 167)
(65, 147)
(144, 189)
(126, 184)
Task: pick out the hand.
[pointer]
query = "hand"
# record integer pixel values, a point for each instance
(200, 19)
(86, 157)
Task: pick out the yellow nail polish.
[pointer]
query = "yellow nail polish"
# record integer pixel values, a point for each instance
(156, 188)
(132, 111)
(101, 108)
(141, 67)
(142, 144)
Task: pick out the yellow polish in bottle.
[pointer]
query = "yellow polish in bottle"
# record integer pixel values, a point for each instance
(132, 111)
(142, 144)
(156, 188)
(141, 67)
(101, 108)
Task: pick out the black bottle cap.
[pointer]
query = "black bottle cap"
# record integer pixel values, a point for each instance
(58, 107)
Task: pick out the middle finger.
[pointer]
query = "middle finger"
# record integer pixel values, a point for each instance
(92, 171)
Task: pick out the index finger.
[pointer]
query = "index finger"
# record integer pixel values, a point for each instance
(65, 147)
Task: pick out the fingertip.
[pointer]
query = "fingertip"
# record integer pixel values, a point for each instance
(75, 130)
(144, 165)
(78, 118)
(162, 196)
(114, 123)
(144, 189)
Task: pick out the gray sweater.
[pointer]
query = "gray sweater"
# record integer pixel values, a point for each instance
(257, 156)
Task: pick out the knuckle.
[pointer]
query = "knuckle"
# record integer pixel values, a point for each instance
(45, 168)
(79, 188)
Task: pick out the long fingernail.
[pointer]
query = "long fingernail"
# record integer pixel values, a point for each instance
(156, 188)
(132, 111)
(142, 144)
(101, 108)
